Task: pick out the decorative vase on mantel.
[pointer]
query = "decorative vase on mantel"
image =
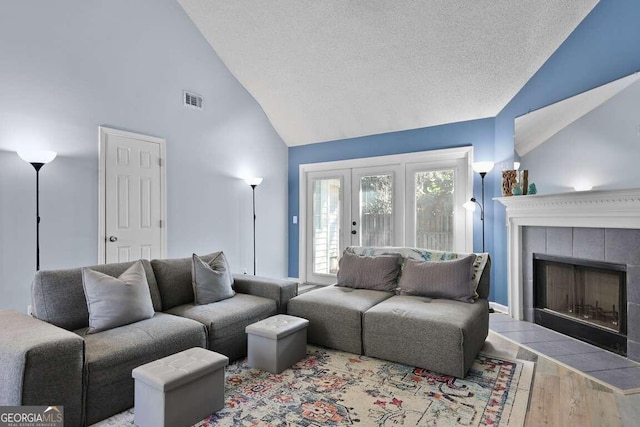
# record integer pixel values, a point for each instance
(524, 181)
(509, 177)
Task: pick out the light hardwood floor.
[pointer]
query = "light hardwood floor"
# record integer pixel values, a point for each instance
(562, 397)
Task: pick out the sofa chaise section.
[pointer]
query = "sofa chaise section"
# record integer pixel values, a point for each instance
(41, 365)
(335, 315)
(441, 335)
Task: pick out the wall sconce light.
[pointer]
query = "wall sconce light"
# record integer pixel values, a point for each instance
(253, 183)
(583, 187)
(37, 158)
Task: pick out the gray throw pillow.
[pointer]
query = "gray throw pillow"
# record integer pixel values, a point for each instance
(439, 279)
(211, 281)
(378, 273)
(114, 302)
(175, 279)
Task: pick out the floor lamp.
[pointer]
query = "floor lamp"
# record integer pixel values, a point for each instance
(483, 168)
(254, 182)
(37, 158)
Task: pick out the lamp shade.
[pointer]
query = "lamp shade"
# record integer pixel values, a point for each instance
(470, 206)
(37, 156)
(482, 167)
(253, 181)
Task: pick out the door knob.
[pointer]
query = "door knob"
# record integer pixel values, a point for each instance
(353, 231)
(113, 239)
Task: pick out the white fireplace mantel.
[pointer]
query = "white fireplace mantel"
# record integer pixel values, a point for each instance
(599, 209)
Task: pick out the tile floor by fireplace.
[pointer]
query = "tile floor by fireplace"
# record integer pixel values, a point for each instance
(603, 366)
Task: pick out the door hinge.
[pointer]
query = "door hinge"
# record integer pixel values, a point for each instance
(160, 161)
(160, 223)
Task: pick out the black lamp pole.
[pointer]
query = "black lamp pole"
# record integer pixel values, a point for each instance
(37, 167)
(473, 199)
(253, 188)
(482, 175)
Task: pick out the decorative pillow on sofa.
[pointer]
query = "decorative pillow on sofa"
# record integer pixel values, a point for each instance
(175, 279)
(378, 273)
(211, 280)
(114, 302)
(426, 255)
(441, 279)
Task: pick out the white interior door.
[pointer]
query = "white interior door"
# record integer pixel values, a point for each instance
(133, 196)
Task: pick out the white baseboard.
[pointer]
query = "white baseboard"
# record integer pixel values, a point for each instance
(499, 307)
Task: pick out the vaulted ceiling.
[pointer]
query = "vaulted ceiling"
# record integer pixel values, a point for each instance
(334, 69)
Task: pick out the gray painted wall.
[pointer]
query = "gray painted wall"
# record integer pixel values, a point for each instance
(601, 148)
(69, 66)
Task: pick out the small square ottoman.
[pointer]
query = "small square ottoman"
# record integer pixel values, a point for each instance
(277, 342)
(179, 390)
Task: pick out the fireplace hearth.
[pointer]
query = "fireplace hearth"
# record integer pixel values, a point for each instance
(582, 298)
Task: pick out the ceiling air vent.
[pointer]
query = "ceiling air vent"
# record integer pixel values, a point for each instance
(192, 100)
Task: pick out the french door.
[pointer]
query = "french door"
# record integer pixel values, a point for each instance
(327, 229)
(416, 204)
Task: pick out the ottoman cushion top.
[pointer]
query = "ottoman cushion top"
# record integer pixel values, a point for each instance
(180, 368)
(276, 327)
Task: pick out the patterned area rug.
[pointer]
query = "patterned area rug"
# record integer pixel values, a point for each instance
(329, 387)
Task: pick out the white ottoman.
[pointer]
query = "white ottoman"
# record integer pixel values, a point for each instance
(276, 343)
(179, 390)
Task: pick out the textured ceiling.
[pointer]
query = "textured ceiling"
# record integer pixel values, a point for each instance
(326, 70)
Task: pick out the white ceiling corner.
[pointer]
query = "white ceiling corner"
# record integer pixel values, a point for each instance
(335, 69)
(536, 127)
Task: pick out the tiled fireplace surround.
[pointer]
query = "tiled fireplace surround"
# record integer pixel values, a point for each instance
(597, 244)
(595, 225)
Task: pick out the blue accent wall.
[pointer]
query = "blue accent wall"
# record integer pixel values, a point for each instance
(604, 47)
(477, 133)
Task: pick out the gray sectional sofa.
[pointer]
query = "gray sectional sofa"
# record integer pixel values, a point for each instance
(50, 360)
(439, 334)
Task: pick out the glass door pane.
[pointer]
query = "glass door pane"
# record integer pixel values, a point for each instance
(434, 209)
(326, 225)
(375, 215)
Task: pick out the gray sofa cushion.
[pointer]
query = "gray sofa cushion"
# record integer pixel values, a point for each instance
(279, 290)
(227, 319)
(436, 334)
(378, 273)
(111, 356)
(114, 302)
(40, 364)
(57, 296)
(442, 279)
(175, 281)
(335, 315)
(211, 280)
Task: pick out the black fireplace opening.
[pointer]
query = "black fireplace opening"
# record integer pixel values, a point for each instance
(581, 298)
